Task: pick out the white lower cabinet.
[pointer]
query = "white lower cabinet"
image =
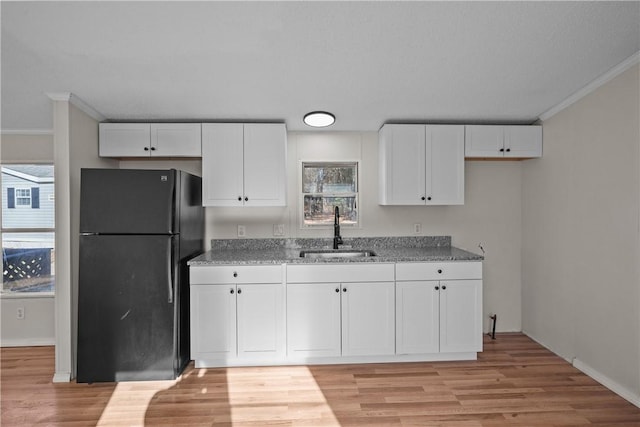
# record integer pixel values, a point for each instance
(237, 323)
(333, 319)
(368, 319)
(333, 313)
(313, 320)
(438, 316)
(354, 317)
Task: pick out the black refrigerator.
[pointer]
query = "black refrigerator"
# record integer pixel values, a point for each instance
(138, 229)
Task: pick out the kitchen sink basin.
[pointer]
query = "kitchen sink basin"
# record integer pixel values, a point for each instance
(336, 253)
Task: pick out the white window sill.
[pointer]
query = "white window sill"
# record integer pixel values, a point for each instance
(26, 295)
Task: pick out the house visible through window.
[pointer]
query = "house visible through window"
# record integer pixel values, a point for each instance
(28, 225)
(325, 186)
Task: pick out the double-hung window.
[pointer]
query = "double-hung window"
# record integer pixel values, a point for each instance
(326, 185)
(28, 226)
(22, 197)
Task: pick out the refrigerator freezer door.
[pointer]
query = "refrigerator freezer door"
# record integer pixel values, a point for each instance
(127, 301)
(127, 201)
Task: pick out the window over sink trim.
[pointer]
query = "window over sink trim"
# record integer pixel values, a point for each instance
(325, 185)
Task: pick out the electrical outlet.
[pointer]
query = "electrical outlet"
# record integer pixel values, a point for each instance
(20, 313)
(278, 230)
(417, 228)
(242, 232)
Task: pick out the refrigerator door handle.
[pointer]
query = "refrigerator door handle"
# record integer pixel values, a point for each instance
(171, 268)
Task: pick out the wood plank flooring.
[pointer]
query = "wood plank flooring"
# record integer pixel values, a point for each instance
(515, 382)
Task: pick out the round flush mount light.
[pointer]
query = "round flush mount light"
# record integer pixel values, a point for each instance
(319, 119)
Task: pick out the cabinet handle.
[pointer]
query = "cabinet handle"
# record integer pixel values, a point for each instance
(146, 148)
(235, 274)
(239, 198)
(444, 288)
(502, 150)
(337, 290)
(239, 291)
(508, 150)
(437, 288)
(344, 289)
(231, 291)
(423, 198)
(153, 148)
(439, 271)
(429, 198)
(246, 199)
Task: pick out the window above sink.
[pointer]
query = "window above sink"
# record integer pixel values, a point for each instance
(326, 185)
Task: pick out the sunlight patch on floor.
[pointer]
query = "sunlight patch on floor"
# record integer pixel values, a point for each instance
(129, 402)
(266, 394)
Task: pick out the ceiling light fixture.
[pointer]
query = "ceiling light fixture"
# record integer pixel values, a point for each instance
(319, 119)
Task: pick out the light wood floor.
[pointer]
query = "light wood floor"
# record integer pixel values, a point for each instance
(514, 382)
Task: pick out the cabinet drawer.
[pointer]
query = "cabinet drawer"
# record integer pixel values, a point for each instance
(439, 270)
(342, 273)
(207, 275)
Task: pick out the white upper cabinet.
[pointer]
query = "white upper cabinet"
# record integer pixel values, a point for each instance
(150, 139)
(421, 165)
(176, 140)
(503, 141)
(244, 164)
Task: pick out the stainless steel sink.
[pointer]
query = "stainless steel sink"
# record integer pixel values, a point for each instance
(336, 253)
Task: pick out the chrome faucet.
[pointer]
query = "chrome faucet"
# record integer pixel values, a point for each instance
(337, 239)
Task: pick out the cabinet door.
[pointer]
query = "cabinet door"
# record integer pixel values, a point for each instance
(368, 319)
(222, 164)
(444, 172)
(484, 141)
(176, 140)
(523, 141)
(124, 139)
(313, 319)
(213, 322)
(460, 316)
(261, 321)
(402, 165)
(417, 317)
(265, 165)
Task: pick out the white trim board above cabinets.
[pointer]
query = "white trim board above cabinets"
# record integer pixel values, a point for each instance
(421, 164)
(502, 142)
(150, 140)
(244, 164)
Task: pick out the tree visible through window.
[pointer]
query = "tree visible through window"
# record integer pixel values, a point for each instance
(28, 255)
(325, 186)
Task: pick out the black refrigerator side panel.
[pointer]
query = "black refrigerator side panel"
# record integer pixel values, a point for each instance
(191, 228)
(126, 308)
(190, 214)
(127, 201)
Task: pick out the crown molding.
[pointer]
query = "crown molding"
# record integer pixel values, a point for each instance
(77, 102)
(595, 84)
(26, 131)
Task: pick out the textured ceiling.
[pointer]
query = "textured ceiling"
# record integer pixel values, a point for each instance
(367, 62)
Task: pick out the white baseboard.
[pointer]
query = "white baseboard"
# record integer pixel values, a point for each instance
(568, 359)
(62, 377)
(612, 385)
(27, 342)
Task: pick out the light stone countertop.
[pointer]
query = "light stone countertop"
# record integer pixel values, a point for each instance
(280, 251)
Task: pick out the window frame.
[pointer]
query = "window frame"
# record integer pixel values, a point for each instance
(302, 194)
(16, 197)
(35, 294)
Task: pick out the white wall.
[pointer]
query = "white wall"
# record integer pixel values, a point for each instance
(581, 244)
(491, 214)
(37, 327)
